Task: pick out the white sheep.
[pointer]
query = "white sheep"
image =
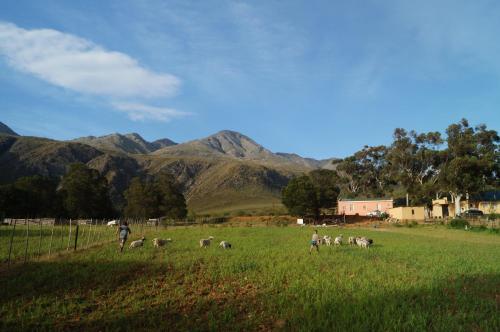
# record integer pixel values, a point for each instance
(370, 241)
(137, 243)
(204, 243)
(327, 240)
(225, 245)
(160, 242)
(338, 240)
(363, 243)
(352, 240)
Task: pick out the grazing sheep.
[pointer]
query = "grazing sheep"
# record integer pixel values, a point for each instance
(370, 241)
(225, 245)
(137, 243)
(338, 240)
(160, 242)
(204, 243)
(327, 240)
(352, 240)
(364, 243)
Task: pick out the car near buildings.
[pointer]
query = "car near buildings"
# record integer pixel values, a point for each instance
(472, 213)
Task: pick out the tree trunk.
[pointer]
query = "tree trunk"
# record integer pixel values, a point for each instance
(457, 198)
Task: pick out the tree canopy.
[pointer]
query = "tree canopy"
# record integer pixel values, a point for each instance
(466, 160)
(159, 197)
(85, 193)
(33, 196)
(308, 194)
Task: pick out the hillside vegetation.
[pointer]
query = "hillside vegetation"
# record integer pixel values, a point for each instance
(223, 172)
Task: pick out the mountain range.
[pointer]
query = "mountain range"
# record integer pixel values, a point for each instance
(222, 172)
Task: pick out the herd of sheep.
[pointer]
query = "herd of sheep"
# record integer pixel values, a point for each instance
(362, 242)
(161, 242)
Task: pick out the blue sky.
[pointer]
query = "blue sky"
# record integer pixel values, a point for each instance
(319, 78)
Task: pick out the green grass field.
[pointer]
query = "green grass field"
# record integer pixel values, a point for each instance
(33, 242)
(412, 279)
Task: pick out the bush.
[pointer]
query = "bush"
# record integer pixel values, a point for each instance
(282, 223)
(493, 216)
(459, 223)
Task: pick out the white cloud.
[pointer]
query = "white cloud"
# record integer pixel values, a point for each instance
(141, 112)
(82, 66)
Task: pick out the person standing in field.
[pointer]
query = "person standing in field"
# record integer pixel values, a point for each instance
(123, 232)
(314, 242)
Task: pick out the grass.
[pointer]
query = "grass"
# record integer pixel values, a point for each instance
(268, 206)
(412, 279)
(35, 241)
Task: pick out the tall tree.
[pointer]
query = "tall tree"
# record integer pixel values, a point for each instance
(327, 186)
(40, 196)
(13, 202)
(471, 161)
(33, 196)
(160, 196)
(172, 201)
(351, 173)
(374, 169)
(415, 159)
(300, 197)
(85, 193)
(143, 199)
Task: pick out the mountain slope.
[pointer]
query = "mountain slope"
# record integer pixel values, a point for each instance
(234, 145)
(27, 156)
(131, 143)
(221, 183)
(208, 183)
(24, 156)
(221, 172)
(4, 129)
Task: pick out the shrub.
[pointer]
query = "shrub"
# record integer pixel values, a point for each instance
(282, 223)
(493, 216)
(459, 223)
(241, 213)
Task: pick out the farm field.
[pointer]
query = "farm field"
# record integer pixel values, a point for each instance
(413, 279)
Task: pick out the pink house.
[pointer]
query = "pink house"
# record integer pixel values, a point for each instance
(361, 207)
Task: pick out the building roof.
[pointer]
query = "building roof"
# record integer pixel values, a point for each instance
(364, 199)
(487, 196)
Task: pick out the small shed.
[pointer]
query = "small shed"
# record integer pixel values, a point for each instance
(404, 213)
(441, 208)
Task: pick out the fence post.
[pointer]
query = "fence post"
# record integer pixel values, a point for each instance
(39, 239)
(69, 236)
(76, 236)
(61, 230)
(26, 221)
(90, 233)
(99, 233)
(11, 240)
(83, 234)
(51, 236)
(95, 232)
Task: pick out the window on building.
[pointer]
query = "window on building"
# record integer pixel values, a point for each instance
(364, 207)
(412, 211)
(351, 207)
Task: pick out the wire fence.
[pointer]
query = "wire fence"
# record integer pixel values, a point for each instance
(25, 240)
